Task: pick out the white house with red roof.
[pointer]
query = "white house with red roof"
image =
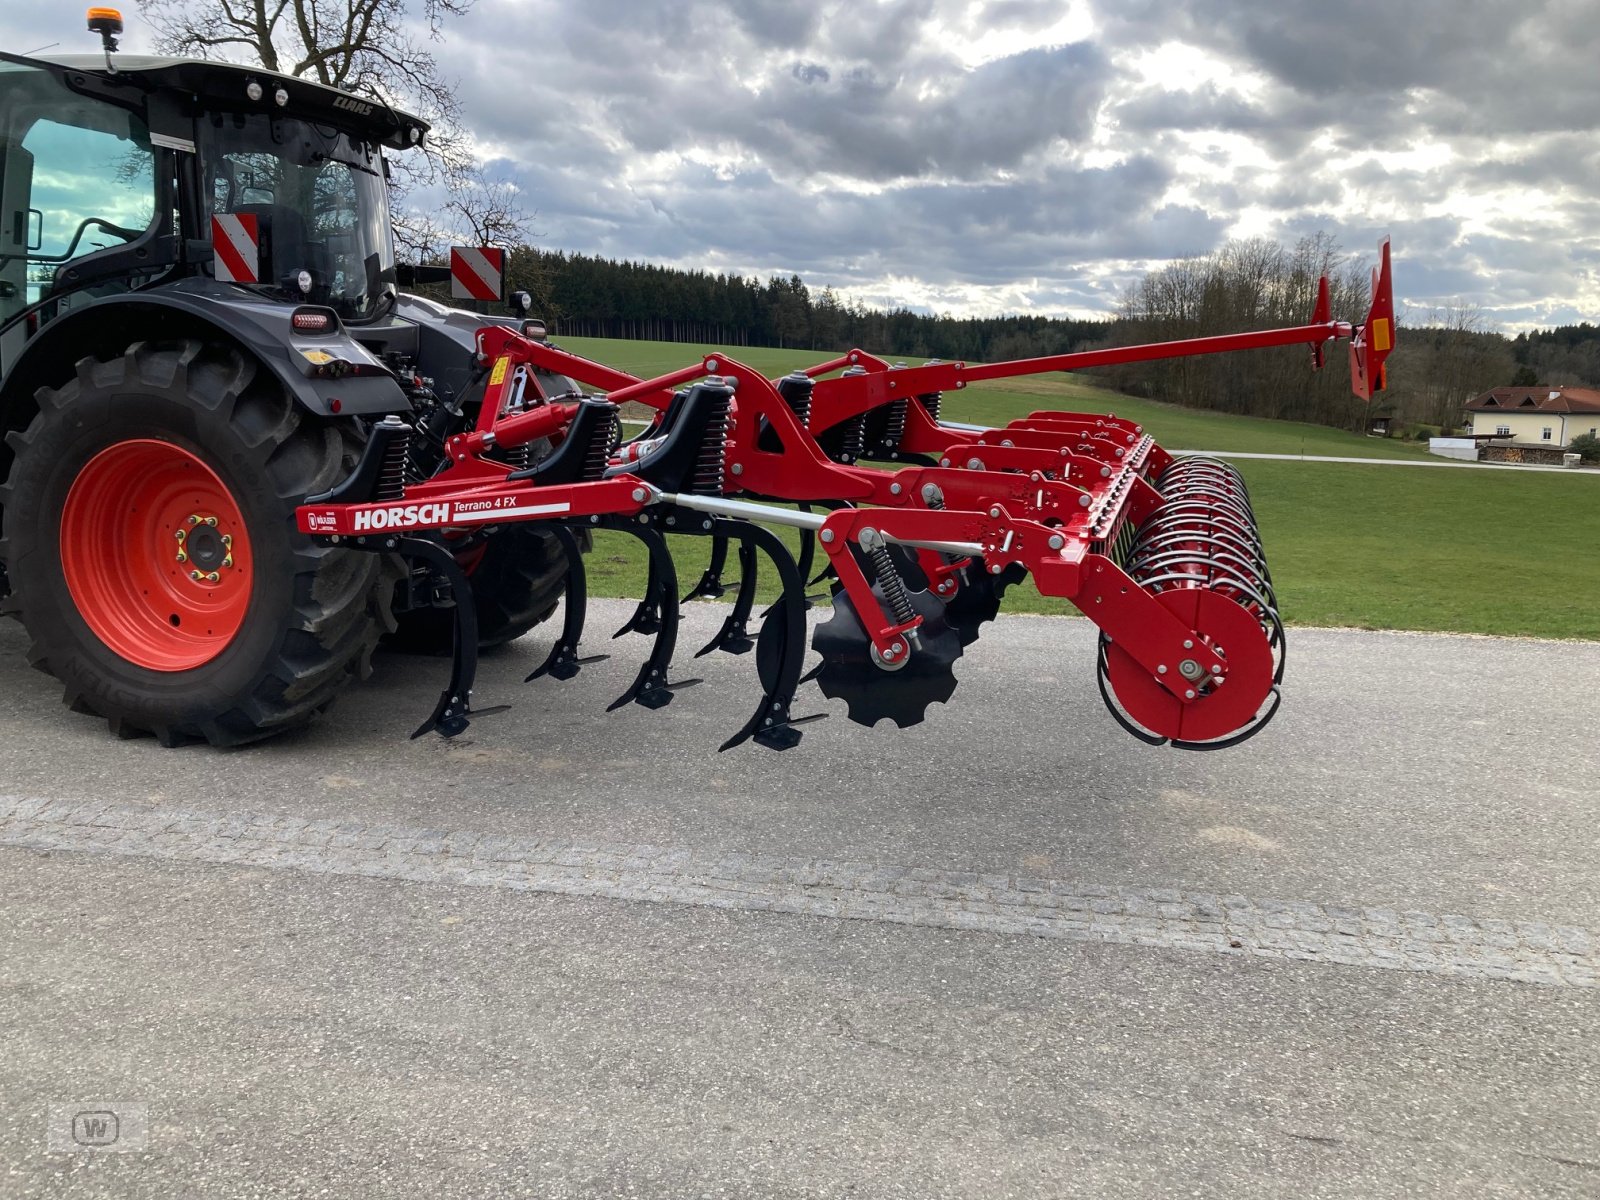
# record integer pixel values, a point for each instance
(1534, 416)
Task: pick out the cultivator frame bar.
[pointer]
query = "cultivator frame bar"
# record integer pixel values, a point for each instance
(1162, 553)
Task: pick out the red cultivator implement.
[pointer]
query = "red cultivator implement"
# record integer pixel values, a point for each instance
(1162, 553)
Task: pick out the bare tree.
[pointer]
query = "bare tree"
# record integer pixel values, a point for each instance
(366, 47)
(1251, 284)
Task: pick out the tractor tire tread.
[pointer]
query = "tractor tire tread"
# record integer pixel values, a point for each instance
(337, 603)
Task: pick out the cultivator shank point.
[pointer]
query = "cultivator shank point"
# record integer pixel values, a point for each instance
(1163, 553)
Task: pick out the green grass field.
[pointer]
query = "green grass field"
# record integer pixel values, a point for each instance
(1375, 547)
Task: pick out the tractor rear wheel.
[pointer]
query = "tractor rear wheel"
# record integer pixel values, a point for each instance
(149, 537)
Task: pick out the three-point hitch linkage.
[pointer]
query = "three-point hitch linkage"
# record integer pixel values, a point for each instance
(1162, 553)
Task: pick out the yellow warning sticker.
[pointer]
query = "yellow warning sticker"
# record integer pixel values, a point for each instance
(316, 358)
(498, 375)
(1382, 339)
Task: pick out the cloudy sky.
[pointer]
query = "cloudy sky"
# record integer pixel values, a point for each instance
(1037, 155)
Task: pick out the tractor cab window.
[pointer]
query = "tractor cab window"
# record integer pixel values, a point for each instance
(314, 209)
(77, 176)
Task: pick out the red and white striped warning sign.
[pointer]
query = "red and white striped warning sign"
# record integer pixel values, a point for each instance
(477, 272)
(235, 248)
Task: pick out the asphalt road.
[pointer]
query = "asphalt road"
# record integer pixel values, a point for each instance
(1009, 952)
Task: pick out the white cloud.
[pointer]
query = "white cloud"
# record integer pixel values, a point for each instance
(989, 155)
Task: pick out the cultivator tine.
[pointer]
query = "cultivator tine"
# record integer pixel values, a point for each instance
(734, 636)
(780, 648)
(808, 551)
(651, 688)
(563, 661)
(808, 554)
(808, 547)
(711, 586)
(647, 616)
(450, 714)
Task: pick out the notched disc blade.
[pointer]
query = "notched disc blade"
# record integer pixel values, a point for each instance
(871, 693)
(978, 600)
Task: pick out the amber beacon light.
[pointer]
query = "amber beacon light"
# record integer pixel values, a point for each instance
(106, 23)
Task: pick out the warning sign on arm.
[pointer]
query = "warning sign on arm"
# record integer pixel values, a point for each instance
(477, 273)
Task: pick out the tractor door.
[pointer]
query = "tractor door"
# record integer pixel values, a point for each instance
(16, 228)
(77, 186)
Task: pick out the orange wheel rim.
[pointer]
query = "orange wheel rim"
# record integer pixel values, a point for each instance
(156, 556)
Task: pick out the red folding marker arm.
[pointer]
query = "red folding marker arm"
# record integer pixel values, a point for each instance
(1374, 341)
(845, 396)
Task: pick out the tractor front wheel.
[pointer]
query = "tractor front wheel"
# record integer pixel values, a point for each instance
(149, 538)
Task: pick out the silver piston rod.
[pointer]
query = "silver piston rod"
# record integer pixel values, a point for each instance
(746, 511)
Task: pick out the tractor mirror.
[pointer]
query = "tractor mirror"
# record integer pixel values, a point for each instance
(409, 275)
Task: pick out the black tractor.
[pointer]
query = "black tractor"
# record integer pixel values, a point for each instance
(200, 323)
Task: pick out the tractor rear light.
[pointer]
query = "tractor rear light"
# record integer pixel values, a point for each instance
(314, 320)
(253, 91)
(280, 98)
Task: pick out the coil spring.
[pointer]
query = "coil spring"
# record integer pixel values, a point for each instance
(930, 402)
(708, 467)
(852, 438)
(894, 426)
(888, 577)
(851, 435)
(597, 455)
(392, 474)
(796, 390)
(516, 457)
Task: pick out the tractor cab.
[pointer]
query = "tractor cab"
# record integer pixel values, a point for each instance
(116, 174)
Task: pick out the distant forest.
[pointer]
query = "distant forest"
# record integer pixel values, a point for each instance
(1444, 357)
(583, 296)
